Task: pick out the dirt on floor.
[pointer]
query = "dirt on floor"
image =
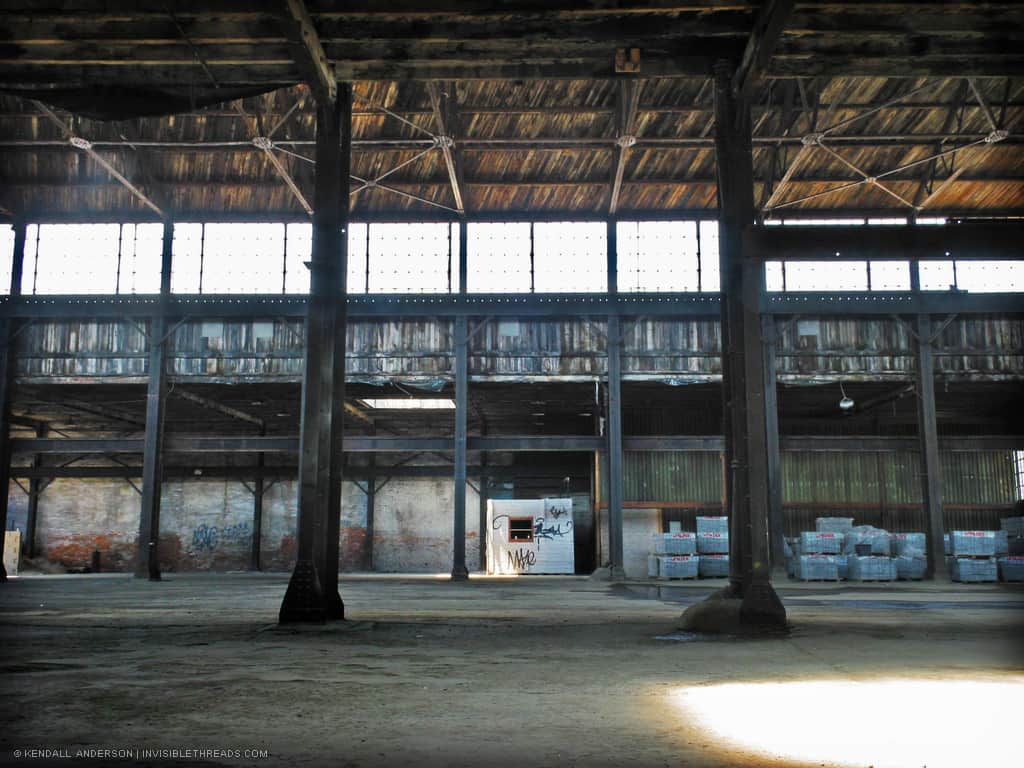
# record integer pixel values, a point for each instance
(518, 672)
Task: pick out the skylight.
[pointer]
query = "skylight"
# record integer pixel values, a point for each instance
(409, 403)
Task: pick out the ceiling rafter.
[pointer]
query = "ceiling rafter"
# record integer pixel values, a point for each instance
(445, 108)
(628, 95)
(308, 51)
(768, 28)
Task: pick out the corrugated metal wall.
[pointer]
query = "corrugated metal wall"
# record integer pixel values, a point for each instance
(875, 488)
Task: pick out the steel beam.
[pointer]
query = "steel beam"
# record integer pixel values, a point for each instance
(743, 360)
(776, 526)
(371, 512)
(308, 52)
(305, 599)
(757, 56)
(35, 488)
(7, 373)
(931, 464)
(147, 563)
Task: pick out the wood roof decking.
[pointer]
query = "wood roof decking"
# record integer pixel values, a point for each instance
(532, 102)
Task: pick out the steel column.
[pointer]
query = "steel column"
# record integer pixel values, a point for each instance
(614, 433)
(928, 435)
(35, 488)
(772, 446)
(7, 365)
(743, 359)
(459, 570)
(485, 483)
(258, 490)
(371, 503)
(147, 562)
(319, 440)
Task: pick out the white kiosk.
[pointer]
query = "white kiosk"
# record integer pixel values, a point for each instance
(530, 536)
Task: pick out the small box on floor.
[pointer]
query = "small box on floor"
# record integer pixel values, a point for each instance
(716, 524)
(712, 543)
(821, 543)
(1011, 568)
(817, 568)
(975, 543)
(833, 524)
(843, 567)
(713, 566)
(1002, 543)
(678, 566)
(910, 568)
(909, 544)
(875, 538)
(1014, 526)
(974, 569)
(871, 568)
(679, 543)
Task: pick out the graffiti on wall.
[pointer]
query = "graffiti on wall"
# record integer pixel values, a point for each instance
(206, 538)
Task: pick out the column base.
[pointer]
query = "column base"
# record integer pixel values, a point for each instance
(460, 574)
(762, 607)
(304, 599)
(145, 573)
(3, 573)
(617, 573)
(735, 610)
(334, 607)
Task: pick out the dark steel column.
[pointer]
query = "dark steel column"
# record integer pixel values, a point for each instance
(257, 515)
(7, 365)
(459, 570)
(931, 465)
(771, 410)
(147, 562)
(743, 359)
(312, 593)
(484, 487)
(35, 488)
(371, 503)
(613, 424)
(339, 201)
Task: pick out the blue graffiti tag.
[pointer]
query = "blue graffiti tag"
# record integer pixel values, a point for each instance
(552, 531)
(209, 537)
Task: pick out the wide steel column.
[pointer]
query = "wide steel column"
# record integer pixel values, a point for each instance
(776, 531)
(371, 503)
(931, 464)
(147, 560)
(6, 386)
(338, 203)
(742, 275)
(312, 593)
(459, 570)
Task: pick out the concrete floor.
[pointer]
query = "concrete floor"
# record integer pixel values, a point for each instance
(519, 672)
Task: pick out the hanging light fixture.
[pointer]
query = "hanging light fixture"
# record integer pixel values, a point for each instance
(847, 402)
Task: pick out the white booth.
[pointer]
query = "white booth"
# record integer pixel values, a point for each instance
(530, 536)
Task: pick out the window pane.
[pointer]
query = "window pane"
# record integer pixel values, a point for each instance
(300, 250)
(77, 258)
(773, 276)
(408, 258)
(710, 279)
(6, 257)
(890, 275)
(243, 258)
(141, 250)
(659, 256)
(356, 278)
(498, 258)
(826, 276)
(936, 275)
(186, 258)
(28, 274)
(990, 276)
(570, 256)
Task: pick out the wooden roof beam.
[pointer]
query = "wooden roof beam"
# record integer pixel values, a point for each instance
(309, 53)
(768, 28)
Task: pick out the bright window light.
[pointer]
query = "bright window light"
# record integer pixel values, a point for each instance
(931, 221)
(658, 256)
(299, 251)
(823, 222)
(937, 275)
(409, 258)
(990, 276)
(6, 257)
(243, 258)
(77, 258)
(498, 257)
(570, 256)
(890, 275)
(187, 258)
(710, 280)
(774, 278)
(408, 403)
(141, 254)
(888, 222)
(826, 275)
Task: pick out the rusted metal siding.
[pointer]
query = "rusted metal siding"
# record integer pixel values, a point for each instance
(690, 348)
(667, 477)
(82, 349)
(511, 347)
(808, 349)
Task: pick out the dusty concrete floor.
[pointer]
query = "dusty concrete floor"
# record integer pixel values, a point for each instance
(523, 672)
